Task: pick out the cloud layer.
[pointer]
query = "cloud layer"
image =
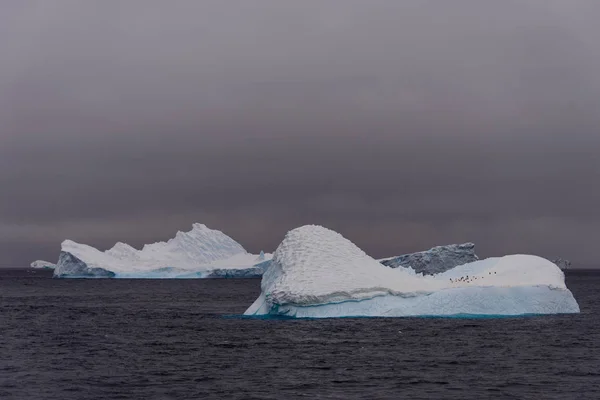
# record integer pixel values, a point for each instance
(401, 124)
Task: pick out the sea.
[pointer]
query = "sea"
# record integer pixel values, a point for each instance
(70, 339)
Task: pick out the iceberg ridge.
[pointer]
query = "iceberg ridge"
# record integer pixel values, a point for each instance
(436, 260)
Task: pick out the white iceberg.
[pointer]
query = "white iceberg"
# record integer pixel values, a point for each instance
(40, 264)
(199, 253)
(317, 273)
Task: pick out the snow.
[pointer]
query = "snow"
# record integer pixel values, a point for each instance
(190, 254)
(40, 264)
(316, 272)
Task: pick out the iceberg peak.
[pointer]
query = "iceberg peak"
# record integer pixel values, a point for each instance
(200, 227)
(315, 265)
(201, 245)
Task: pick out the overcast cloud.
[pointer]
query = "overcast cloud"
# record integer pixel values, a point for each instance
(401, 124)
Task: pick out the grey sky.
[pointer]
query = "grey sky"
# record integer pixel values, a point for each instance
(401, 124)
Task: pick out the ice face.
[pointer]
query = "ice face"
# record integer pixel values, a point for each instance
(562, 263)
(316, 272)
(252, 272)
(70, 266)
(40, 264)
(436, 260)
(192, 254)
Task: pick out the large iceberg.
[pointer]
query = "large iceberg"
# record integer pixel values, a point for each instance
(317, 273)
(40, 264)
(199, 253)
(436, 260)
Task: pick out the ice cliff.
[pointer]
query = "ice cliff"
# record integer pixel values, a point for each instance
(438, 259)
(198, 253)
(317, 273)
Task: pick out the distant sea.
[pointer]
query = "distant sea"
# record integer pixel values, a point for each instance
(184, 339)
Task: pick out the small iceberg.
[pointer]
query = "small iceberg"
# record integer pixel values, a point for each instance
(40, 264)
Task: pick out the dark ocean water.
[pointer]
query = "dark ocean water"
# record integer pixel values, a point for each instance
(176, 339)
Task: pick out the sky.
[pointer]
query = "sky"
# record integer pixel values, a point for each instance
(400, 124)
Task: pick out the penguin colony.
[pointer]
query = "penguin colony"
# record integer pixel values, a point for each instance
(468, 279)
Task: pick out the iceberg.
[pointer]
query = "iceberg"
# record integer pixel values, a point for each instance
(317, 273)
(562, 263)
(436, 260)
(40, 264)
(199, 253)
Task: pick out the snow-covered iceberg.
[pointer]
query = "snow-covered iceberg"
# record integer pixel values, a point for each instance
(436, 260)
(199, 253)
(317, 273)
(40, 264)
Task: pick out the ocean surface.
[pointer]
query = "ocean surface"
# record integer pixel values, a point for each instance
(184, 339)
